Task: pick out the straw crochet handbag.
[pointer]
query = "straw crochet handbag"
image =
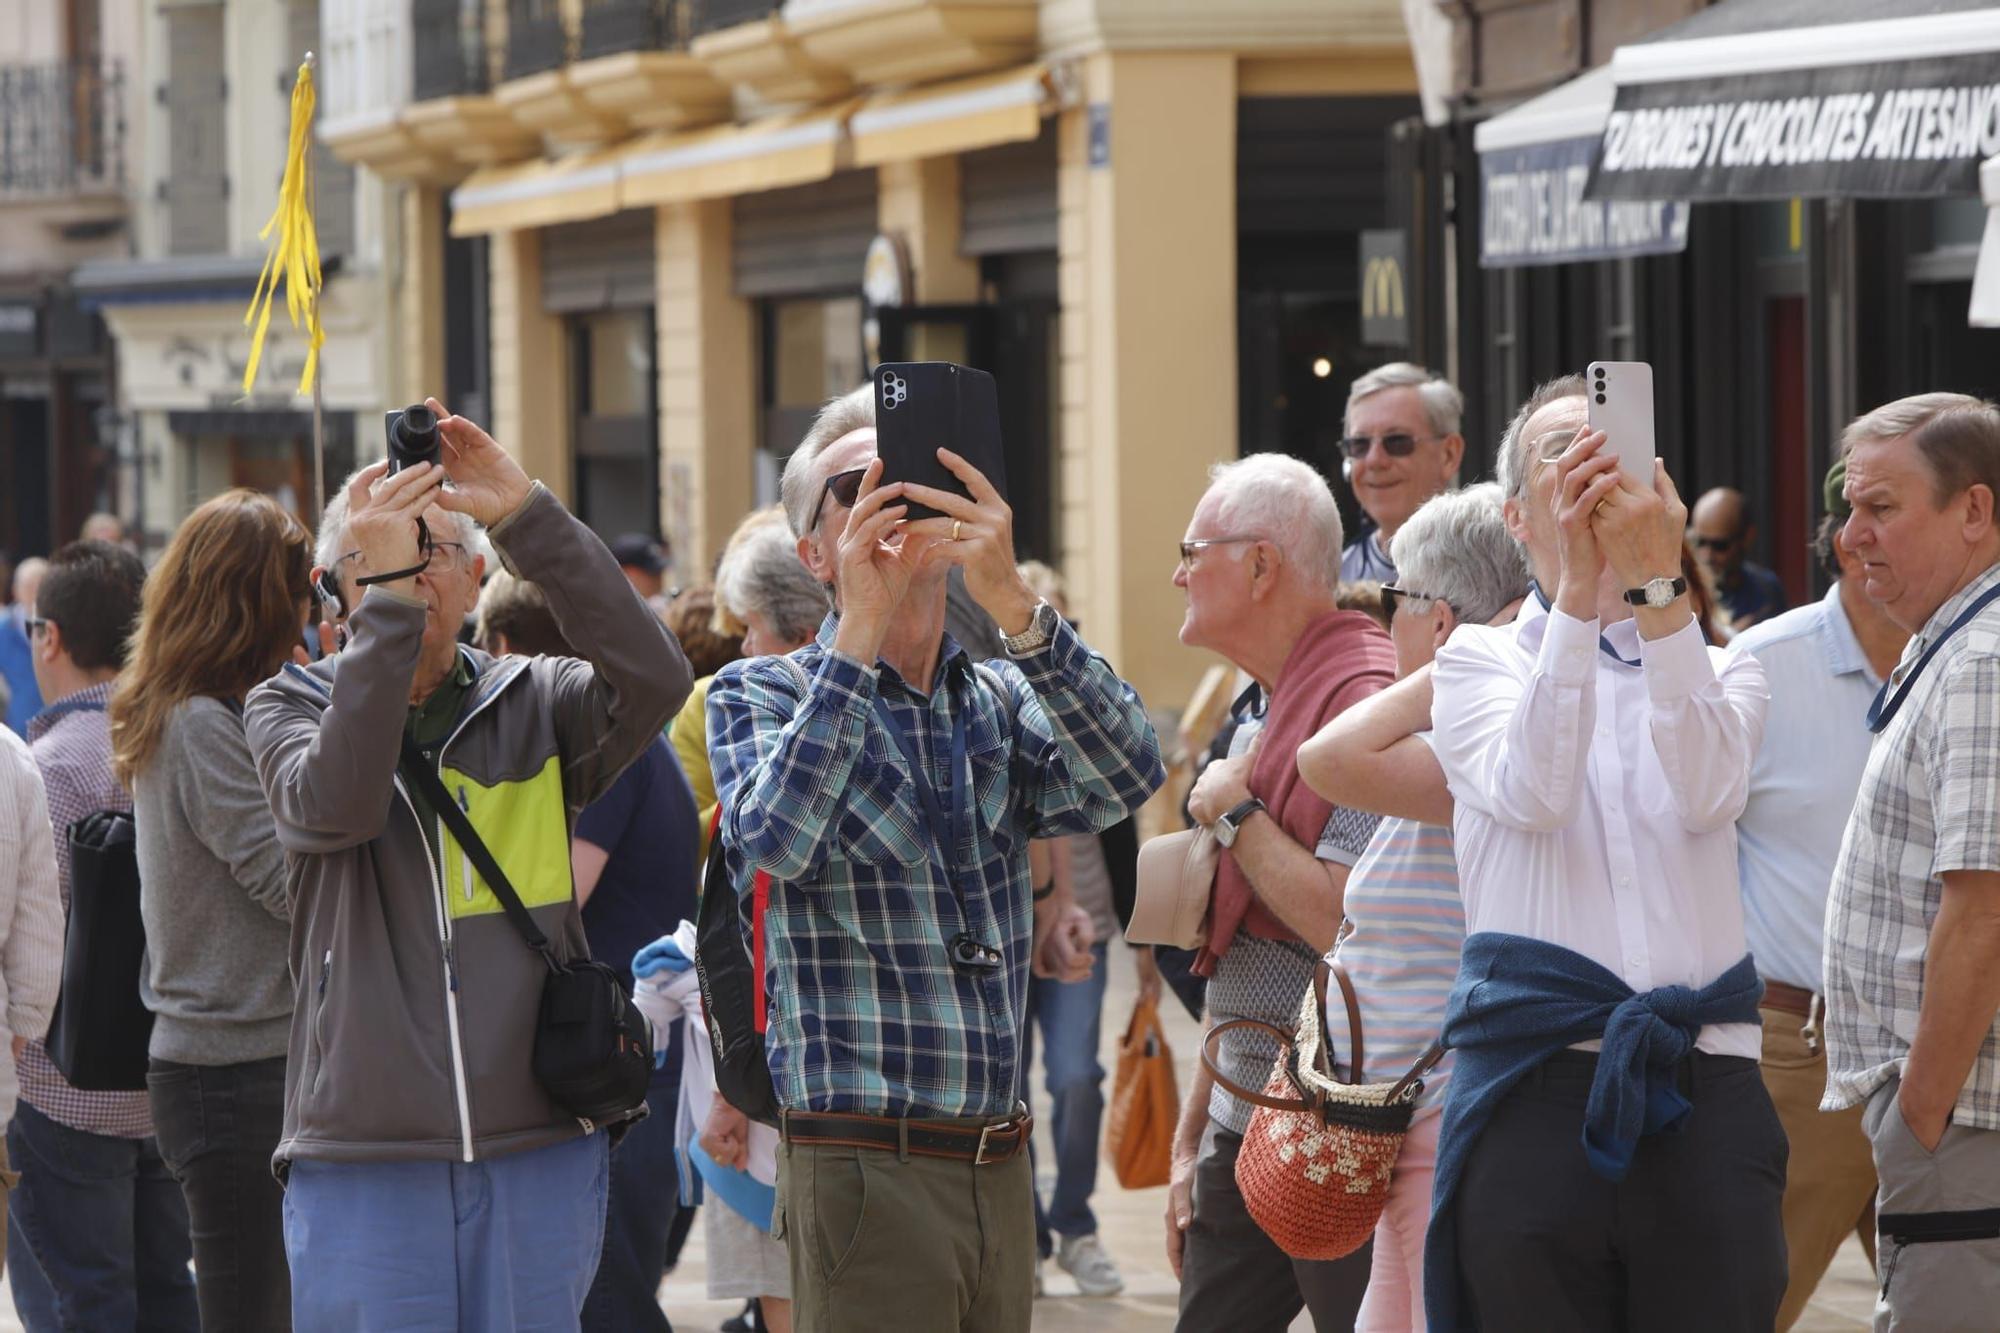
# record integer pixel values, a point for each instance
(1315, 1163)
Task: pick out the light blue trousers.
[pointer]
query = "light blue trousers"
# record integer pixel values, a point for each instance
(510, 1243)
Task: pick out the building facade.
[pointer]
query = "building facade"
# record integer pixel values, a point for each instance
(647, 238)
(69, 97)
(208, 139)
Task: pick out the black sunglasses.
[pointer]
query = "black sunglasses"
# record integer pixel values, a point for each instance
(33, 625)
(1397, 445)
(1712, 543)
(1391, 595)
(842, 486)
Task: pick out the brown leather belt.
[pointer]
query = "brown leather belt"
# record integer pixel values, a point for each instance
(1787, 999)
(980, 1142)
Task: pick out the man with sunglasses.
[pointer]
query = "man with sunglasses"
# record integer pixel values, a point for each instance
(889, 788)
(1400, 448)
(1722, 534)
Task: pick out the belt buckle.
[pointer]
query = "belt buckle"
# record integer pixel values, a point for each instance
(979, 1154)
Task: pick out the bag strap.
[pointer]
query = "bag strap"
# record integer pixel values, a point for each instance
(418, 771)
(1230, 1085)
(1353, 1020)
(1425, 1063)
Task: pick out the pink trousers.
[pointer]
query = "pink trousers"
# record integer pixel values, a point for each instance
(1395, 1299)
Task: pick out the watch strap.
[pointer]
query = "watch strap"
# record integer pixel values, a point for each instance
(1041, 627)
(1235, 818)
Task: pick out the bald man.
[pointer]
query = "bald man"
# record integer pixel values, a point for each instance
(1721, 533)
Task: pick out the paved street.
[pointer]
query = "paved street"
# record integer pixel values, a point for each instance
(1130, 1223)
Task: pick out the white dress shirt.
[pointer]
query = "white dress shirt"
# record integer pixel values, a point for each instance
(1597, 796)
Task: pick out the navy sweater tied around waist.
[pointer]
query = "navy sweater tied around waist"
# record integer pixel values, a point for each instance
(1517, 1002)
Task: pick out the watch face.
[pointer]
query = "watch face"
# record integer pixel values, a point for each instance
(1660, 593)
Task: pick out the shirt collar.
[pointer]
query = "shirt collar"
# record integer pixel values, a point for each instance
(91, 699)
(1837, 640)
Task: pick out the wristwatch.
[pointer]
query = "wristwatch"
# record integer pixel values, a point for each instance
(1657, 593)
(1231, 823)
(1041, 628)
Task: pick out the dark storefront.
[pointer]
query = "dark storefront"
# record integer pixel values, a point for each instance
(58, 431)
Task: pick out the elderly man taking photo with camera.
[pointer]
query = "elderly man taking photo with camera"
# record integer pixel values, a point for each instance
(437, 1175)
(889, 788)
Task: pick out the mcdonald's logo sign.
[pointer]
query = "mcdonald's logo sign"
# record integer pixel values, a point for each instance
(1384, 310)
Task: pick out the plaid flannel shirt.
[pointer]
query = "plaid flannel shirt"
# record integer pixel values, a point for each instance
(868, 1014)
(71, 739)
(1926, 806)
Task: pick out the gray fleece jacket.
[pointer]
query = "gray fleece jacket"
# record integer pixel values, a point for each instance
(417, 998)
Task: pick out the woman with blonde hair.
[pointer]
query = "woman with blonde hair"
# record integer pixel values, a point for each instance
(221, 613)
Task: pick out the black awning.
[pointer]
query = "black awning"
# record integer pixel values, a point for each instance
(1779, 98)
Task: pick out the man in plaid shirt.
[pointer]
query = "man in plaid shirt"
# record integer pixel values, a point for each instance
(1913, 919)
(98, 1226)
(890, 787)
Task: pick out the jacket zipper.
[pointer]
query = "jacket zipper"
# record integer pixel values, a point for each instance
(451, 979)
(444, 925)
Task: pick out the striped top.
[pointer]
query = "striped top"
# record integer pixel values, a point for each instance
(1405, 927)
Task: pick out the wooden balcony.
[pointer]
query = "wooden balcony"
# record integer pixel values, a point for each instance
(746, 43)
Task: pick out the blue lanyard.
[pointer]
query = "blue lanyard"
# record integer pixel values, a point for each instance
(1886, 706)
(947, 836)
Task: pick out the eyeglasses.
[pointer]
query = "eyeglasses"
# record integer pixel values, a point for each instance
(845, 487)
(34, 625)
(1712, 543)
(1396, 445)
(1392, 596)
(441, 558)
(1191, 550)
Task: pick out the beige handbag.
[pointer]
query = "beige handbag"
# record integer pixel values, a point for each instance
(1176, 877)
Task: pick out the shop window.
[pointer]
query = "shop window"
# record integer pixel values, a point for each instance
(612, 389)
(812, 352)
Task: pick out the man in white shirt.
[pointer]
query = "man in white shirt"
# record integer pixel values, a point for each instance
(1823, 662)
(1599, 753)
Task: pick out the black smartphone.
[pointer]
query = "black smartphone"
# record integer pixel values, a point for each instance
(923, 406)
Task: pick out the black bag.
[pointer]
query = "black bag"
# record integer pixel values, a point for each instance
(732, 987)
(101, 1029)
(593, 1050)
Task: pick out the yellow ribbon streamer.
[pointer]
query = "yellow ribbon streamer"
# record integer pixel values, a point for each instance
(295, 254)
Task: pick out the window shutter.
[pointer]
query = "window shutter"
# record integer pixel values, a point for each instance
(196, 190)
(332, 179)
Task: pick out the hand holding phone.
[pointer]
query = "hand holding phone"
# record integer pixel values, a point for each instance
(924, 406)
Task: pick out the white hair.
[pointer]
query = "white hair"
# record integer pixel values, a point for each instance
(1457, 547)
(1512, 467)
(331, 542)
(799, 488)
(761, 575)
(1444, 405)
(1282, 500)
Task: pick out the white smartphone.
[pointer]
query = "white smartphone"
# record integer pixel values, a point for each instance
(1621, 405)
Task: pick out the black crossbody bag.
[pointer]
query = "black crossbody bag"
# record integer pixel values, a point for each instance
(593, 1050)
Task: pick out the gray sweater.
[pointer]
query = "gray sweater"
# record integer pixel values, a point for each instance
(212, 892)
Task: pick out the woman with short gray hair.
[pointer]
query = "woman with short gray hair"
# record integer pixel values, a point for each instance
(1456, 564)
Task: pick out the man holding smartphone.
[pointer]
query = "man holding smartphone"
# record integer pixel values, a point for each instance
(890, 787)
(1599, 754)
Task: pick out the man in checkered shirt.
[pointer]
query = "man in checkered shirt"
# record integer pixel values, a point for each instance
(889, 787)
(99, 1228)
(1913, 923)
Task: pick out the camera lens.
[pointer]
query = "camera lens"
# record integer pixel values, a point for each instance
(1600, 397)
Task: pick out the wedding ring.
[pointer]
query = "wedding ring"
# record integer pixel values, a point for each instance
(956, 525)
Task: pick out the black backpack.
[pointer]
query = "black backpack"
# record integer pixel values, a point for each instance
(101, 1028)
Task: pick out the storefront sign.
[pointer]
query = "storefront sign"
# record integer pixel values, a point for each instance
(1533, 211)
(1899, 127)
(1385, 264)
